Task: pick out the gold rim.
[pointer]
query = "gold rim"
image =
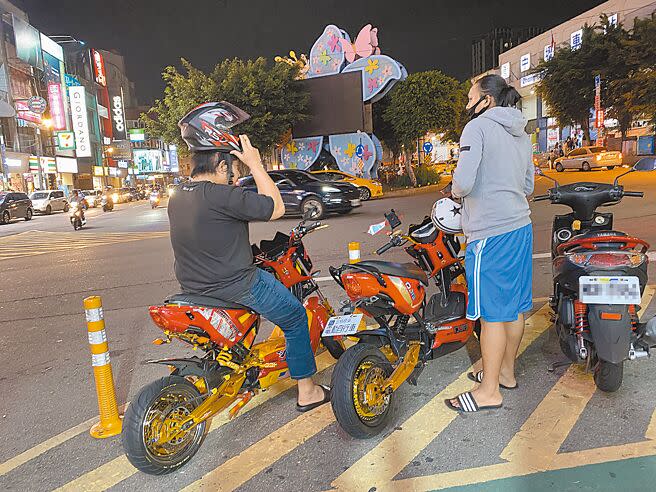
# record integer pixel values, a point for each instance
(370, 403)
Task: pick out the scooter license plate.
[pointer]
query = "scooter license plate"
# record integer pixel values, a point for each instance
(609, 290)
(342, 325)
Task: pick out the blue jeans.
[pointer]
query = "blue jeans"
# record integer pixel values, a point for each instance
(271, 299)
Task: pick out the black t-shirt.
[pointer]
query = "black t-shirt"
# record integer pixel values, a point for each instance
(209, 235)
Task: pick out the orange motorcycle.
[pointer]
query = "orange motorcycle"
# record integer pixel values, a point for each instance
(410, 331)
(166, 422)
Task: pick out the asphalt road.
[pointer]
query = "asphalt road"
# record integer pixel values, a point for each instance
(554, 421)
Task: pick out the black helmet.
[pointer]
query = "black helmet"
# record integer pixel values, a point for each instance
(207, 127)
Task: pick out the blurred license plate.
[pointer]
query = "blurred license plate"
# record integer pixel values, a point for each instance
(355, 203)
(609, 290)
(342, 325)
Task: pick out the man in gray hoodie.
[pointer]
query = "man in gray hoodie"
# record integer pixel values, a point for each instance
(494, 176)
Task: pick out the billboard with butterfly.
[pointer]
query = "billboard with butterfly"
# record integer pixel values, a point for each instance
(335, 116)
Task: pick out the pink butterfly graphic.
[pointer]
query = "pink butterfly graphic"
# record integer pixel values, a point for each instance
(333, 42)
(366, 153)
(312, 145)
(372, 84)
(366, 44)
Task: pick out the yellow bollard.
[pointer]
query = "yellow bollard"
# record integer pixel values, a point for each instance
(354, 252)
(110, 423)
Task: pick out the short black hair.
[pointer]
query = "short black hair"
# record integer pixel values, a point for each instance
(206, 161)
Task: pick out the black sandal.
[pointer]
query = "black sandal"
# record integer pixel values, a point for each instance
(468, 404)
(477, 377)
(312, 406)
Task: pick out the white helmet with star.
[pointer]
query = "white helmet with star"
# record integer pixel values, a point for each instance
(446, 216)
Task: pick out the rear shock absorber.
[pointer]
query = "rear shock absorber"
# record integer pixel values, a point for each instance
(401, 324)
(581, 323)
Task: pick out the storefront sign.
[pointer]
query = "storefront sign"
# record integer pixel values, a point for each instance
(28, 43)
(600, 116)
(56, 100)
(123, 164)
(576, 39)
(99, 67)
(612, 20)
(51, 47)
(530, 79)
(174, 162)
(97, 170)
(103, 111)
(13, 162)
(48, 165)
(71, 81)
(525, 62)
(148, 160)
(549, 52)
(505, 70)
(37, 104)
(24, 112)
(122, 149)
(65, 140)
(118, 118)
(553, 137)
(80, 121)
(67, 165)
(137, 134)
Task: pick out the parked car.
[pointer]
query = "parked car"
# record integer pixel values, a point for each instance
(586, 158)
(302, 192)
(15, 205)
(93, 197)
(49, 201)
(368, 188)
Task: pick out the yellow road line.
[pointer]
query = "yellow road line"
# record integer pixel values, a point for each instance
(535, 447)
(241, 468)
(47, 445)
(119, 469)
(541, 436)
(398, 449)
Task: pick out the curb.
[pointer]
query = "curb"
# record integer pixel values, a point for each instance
(416, 191)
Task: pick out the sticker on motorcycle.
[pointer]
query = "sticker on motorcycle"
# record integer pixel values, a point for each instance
(411, 291)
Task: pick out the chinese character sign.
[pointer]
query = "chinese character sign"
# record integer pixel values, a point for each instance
(505, 70)
(548, 52)
(576, 39)
(525, 63)
(56, 101)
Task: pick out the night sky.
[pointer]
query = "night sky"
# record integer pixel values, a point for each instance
(151, 34)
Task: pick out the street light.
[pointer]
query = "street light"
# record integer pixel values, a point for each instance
(47, 123)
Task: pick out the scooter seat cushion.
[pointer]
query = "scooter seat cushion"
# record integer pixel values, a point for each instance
(203, 301)
(407, 270)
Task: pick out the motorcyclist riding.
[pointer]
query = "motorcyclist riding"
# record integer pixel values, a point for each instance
(78, 198)
(209, 220)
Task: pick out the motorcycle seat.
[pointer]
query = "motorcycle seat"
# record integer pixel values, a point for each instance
(202, 301)
(407, 270)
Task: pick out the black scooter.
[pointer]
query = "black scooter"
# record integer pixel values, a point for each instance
(599, 277)
(107, 203)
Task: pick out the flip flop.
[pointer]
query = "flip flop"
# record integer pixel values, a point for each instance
(312, 406)
(468, 404)
(477, 377)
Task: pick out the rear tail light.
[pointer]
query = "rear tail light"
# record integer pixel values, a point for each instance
(157, 318)
(351, 285)
(619, 154)
(607, 259)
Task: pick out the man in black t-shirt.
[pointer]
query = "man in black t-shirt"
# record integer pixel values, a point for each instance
(209, 220)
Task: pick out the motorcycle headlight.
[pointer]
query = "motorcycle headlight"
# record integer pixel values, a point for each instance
(115, 197)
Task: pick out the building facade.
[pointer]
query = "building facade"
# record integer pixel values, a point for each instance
(516, 63)
(486, 50)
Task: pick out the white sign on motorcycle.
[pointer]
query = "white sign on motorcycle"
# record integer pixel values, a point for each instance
(609, 290)
(342, 325)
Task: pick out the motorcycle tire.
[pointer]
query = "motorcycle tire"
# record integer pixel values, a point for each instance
(608, 376)
(134, 440)
(345, 386)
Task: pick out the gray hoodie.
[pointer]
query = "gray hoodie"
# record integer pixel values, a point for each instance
(494, 174)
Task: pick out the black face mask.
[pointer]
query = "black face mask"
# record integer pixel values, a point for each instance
(471, 112)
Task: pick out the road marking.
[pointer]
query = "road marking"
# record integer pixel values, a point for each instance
(380, 465)
(119, 469)
(46, 445)
(247, 464)
(34, 243)
(535, 447)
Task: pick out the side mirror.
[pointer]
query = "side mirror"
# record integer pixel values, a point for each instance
(645, 164)
(393, 219)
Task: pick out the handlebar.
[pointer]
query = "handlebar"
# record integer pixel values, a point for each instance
(384, 248)
(539, 198)
(637, 194)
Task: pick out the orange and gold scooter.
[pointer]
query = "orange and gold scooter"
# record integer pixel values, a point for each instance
(410, 331)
